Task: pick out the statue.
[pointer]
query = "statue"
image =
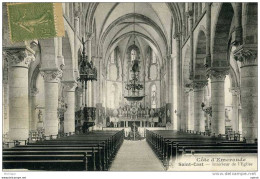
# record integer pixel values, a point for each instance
(40, 115)
(135, 66)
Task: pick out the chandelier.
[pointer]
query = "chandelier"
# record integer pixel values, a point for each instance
(134, 85)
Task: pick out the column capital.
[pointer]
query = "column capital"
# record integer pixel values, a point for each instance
(199, 84)
(235, 91)
(70, 86)
(217, 74)
(51, 75)
(177, 35)
(89, 36)
(77, 14)
(187, 88)
(246, 54)
(189, 13)
(34, 91)
(19, 57)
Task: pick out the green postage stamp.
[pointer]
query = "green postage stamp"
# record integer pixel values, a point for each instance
(29, 21)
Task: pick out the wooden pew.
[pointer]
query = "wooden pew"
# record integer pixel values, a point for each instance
(45, 161)
(168, 145)
(98, 149)
(89, 152)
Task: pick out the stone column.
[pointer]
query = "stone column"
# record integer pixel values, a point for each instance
(89, 83)
(69, 116)
(76, 34)
(33, 120)
(179, 85)
(191, 111)
(19, 60)
(199, 118)
(207, 61)
(190, 15)
(186, 109)
(237, 40)
(79, 98)
(51, 80)
(83, 94)
(247, 55)
(235, 100)
(217, 77)
(5, 97)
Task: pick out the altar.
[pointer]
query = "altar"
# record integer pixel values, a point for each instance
(128, 122)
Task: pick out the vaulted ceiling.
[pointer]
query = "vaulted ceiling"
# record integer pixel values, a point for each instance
(114, 22)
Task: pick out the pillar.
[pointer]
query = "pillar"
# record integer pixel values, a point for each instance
(69, 115)
(89, 83)
(237, 38)
(247, 55)
(218, 100)
(179, 85)
(235, 101)
(186, 109)
(83, 94)
(76, 34)
(191, 111)
(79, 98)
(51, 80)
(33, 120)
(5, 97)
(190, 15)
(199, 119)
(19, 60)
(208, 35)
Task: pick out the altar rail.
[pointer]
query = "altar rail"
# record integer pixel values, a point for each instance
(141, 130)
(126, 129)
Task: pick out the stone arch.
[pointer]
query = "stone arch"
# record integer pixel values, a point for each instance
(221, 35)
(129, 34)
(200, 54)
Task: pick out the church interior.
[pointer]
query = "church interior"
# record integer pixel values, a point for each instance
(144, 80)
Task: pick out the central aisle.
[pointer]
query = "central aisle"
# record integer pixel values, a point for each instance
(136, 156)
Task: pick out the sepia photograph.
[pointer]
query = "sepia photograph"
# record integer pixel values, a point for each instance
(130, 87)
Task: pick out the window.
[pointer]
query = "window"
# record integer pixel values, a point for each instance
(153, 96)
(153, 57)
(133, 55)
(113, 96)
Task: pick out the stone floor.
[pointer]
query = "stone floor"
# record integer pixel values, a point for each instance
(136, 156)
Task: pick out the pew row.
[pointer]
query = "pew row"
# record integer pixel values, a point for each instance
(89, 152)
(170, 145)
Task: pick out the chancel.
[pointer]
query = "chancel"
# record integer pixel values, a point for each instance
(137, 86)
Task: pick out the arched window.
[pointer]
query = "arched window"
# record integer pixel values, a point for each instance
(133, 55)
(153, 57)
(112, 98)
(153, 96)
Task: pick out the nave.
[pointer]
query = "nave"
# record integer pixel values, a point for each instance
(136, 156)
(167, 73)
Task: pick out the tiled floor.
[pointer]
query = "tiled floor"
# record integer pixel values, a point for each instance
(136, 156)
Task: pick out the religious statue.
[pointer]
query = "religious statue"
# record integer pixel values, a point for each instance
(135, 66)
(40, 115)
